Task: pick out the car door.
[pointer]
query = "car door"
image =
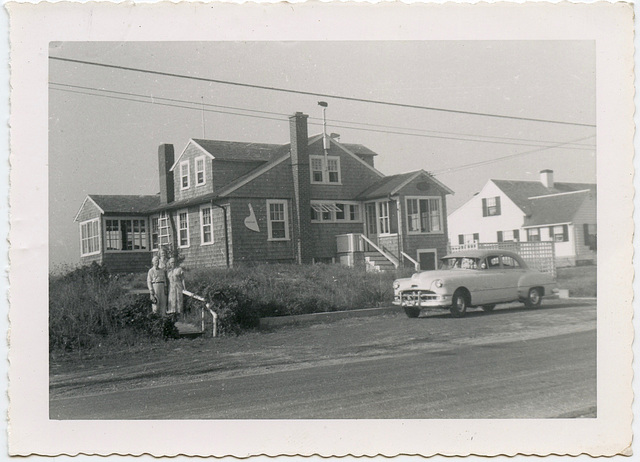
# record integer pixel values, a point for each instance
(488, 287)
(512, 272)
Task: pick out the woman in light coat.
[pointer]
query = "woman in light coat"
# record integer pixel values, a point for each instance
(157, 285)
(176, 286)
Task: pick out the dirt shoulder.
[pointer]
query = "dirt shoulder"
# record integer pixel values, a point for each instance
(297, 347)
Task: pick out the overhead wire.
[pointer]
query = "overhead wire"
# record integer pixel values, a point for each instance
(317, 94)
(284, 117)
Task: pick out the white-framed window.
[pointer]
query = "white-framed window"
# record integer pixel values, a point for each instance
(491, 206)
(383, 218)
(330, 212)
(424, 215)
(201, 177)
(325, 169)
(184, 174)
(206, 225)
(559, 233)
(90, 237)
(468, 238)
(183, 228)
(125, 234)
(277, 220)
(533, 234)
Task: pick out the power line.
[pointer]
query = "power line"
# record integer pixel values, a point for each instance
(285, 117)
(322, 95)
(498, 159)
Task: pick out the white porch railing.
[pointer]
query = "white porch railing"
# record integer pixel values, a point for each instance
(386, 255)
(416, 265)
(213, 314)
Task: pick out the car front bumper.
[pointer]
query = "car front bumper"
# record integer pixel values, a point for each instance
(422, 299)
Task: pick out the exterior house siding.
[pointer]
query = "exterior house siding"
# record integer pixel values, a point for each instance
(127, 262)
(323, 237)
(190, 154)
(586, 215)
(414, 242)
(354, 176)
(468, 219)
(250, 245)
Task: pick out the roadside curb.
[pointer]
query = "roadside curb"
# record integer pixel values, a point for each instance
(328, 316)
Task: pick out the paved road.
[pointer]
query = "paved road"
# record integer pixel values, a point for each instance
(510, 364)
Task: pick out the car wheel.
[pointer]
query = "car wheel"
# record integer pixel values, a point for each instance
(488, 308)
(534, 298)
(412, 311)
(459, 304)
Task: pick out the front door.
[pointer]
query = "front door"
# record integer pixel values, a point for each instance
(427, 260)
(372, 229)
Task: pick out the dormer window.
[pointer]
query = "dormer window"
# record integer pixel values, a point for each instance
(325, 169)
(200, 171)
(184, 174)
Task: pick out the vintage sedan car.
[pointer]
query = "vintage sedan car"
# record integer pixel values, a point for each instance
(473, 278)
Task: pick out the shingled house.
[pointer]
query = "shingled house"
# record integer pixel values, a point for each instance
(532, 211)
(314, 199)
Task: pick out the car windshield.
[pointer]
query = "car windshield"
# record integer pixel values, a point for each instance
(460, 263)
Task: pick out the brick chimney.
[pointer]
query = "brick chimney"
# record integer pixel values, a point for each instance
(301, 187)
(165, 161)
(546, 178)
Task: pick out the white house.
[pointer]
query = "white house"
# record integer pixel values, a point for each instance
(513, 210)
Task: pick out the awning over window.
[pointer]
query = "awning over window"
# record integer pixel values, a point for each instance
(325, 208)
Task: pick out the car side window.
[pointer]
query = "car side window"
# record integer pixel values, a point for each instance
(493, 262)
(510, 263)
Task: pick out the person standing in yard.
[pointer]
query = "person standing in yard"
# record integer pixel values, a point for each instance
(157, 284)
(176, 286)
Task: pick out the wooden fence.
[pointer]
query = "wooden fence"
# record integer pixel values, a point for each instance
(538, 255)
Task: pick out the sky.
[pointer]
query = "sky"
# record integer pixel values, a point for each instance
(106, 123)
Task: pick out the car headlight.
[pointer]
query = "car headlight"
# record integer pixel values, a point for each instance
(396, 285)
(438, 283)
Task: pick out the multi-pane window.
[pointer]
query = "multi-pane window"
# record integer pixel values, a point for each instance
(126, 234)
(184, 174)
(277, 220)
(383, 218)
(424, 215)
(559, 233)
(325, 169)
(491, 206)
(90, 237)
(468, 238)
(206, 226)
(333, 169)
(533, 235)
(200, 172)
(164, 236)
(325, 211)
(183, 228)
(316, 170)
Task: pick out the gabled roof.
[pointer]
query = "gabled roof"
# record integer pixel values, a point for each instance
(237, 151)
(555, 209)
(125, 204)
(391, 185)
(520, 192)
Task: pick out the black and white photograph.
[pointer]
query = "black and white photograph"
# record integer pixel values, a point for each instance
(302, 233)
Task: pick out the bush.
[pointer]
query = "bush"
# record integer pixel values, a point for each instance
(242, 295)
(89, 306)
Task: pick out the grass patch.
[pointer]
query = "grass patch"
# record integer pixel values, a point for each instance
(581, 281)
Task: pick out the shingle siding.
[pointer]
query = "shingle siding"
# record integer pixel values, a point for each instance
(127, 262)
(190, 154)
(89, 211)
(198, 255)
(355, 176)
(323, 237)
(250, 245)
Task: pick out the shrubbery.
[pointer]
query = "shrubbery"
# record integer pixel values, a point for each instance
(88, 306)
(242, 295)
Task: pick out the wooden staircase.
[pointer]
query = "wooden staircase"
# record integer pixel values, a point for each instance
(377, 262)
